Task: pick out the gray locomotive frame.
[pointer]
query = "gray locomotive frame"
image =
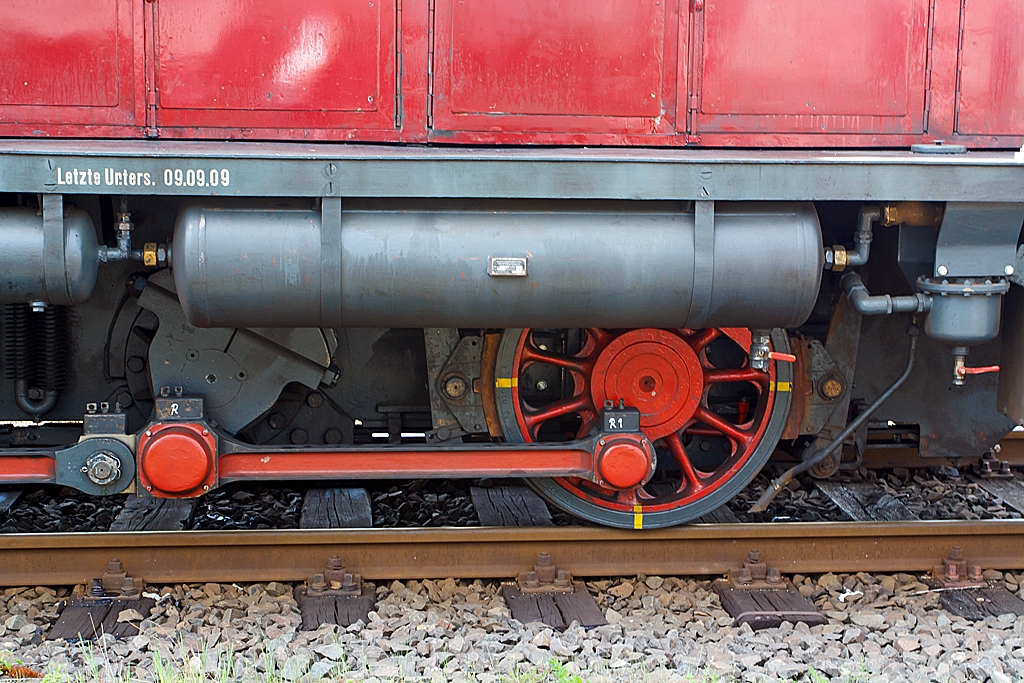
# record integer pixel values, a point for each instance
(324, 170)
(984, 183)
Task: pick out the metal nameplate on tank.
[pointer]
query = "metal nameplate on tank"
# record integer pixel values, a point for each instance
(507, 266)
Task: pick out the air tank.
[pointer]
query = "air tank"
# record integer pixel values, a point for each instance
(473, 264)
(53, 267)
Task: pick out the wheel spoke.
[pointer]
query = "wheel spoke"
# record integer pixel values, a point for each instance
(532, 355)
(574, 404)
(714, 376)
(703, 338)
(738, 436)
(691, 479)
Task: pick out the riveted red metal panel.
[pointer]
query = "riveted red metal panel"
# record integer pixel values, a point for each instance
(67, 62)
(576, 66)
(240, 65)
(991, 87)
(811, 67)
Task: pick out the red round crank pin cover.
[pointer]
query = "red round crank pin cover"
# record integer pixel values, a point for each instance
(176, 460)
(624, 463)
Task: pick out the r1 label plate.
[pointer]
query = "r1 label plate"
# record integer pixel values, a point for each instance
(507, 266)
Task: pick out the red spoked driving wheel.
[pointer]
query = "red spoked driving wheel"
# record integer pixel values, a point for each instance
(713, 419)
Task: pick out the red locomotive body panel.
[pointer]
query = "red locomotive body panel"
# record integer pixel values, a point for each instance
(752, 73)
(506, 67)
(797, 67)
(67, 63)
(330, 67)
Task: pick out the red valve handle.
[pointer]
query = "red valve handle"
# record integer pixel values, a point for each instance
(982, 370)
(784, 357)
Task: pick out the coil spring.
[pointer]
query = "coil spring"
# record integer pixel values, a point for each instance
(17, 337)
(52, 341)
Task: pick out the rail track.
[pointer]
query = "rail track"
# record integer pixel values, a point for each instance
(706, 549)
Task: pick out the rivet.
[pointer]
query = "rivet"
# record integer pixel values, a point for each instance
(1008, 270)
(149, 433)
(206, 432)
(942, 270)
(206, 487)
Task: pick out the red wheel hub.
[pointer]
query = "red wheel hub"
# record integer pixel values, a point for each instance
(654, 371)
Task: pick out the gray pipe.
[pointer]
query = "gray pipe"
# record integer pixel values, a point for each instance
(30, 406)
(862, 238)
(882, 304)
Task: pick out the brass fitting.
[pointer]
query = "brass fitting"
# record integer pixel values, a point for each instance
(917, 214)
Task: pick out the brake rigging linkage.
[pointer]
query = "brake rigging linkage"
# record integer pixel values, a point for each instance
(783, 480)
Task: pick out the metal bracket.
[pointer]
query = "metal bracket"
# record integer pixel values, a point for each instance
(978, 239)
(991, 467)
(755, 574)
(115, 584)
(703, 260)
(955, 572)
(454, 370)
(54, 268)
(330, 258)
(334, 581)
(545, 578)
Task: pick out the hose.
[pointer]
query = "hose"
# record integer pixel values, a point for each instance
(783, 480)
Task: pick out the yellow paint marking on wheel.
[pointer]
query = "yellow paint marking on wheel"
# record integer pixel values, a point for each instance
(638, 516)
(780, 386)
(506, 382)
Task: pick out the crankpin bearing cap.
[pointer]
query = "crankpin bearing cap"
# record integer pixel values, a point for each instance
(624, 462)
(177, 460)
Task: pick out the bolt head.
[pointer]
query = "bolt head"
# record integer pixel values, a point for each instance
(455, 387)
(1008, 270)
(942, 270)
(832, 388)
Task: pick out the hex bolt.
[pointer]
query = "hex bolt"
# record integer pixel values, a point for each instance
(115, 566)
(455, 387)
(975, 573)
(349, 586)
(318, 583)
(774, 575)
(334, 562)
(956, 553)
(754, 557)
(128, 586)
(531, 580)
(561, 581)
(951, 573)
(96, 589)
(543, 559)
(744, 577)
(832, 388)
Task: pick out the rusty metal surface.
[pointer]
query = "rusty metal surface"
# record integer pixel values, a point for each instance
(54, 559)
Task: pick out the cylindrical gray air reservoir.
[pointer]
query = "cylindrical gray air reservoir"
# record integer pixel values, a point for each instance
(472, 264)
(57, 265)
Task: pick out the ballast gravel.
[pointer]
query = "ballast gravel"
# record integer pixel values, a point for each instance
(880, 628)
(931, 493)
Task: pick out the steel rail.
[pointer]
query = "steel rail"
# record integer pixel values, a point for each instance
(294, 555)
